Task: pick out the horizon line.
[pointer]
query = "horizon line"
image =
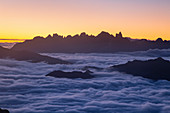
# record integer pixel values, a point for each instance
(13, 39)
(64, 36)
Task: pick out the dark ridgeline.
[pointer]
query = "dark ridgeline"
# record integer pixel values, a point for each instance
(4, 111)
(29, 56)
(83, 43)
(71, 75)
(156, 69)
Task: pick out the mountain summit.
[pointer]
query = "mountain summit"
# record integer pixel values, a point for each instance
(83, 43)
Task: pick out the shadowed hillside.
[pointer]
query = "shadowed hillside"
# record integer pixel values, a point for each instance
(156, 69)
(83, 43)
(29, 56)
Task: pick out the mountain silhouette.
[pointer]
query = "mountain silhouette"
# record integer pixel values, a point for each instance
(71, 75)
(28, 56)
(84, 43)
(156, 69)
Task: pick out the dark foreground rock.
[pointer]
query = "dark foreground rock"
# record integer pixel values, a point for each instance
(71, 75)
(3, 111)
(156, 69)
(28, 56)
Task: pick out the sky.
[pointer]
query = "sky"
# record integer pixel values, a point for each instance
(25, 19)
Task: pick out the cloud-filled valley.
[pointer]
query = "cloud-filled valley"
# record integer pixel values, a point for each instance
(24, 87)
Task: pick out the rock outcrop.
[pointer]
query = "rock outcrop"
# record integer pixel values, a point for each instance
(156, 69)
(29, 56)
(71, 75)
(4, 111)
(119, 35)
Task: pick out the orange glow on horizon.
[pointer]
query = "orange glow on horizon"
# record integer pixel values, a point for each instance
(11, 40)
(25, 19)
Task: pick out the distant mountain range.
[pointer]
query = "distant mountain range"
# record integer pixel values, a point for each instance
(83, 43)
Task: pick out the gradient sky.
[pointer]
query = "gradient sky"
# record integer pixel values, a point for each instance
(24, 19)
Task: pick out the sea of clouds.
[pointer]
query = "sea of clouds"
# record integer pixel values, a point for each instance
(24, 88)
(7, 45)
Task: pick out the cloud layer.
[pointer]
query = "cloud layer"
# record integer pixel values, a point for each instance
(24, 87)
